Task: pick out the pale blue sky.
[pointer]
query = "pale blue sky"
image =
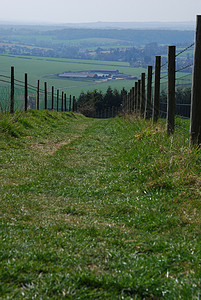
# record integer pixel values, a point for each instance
(67, 11)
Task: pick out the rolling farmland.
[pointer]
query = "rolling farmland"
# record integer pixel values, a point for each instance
(46, 69)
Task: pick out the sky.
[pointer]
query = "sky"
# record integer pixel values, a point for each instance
(79, 11)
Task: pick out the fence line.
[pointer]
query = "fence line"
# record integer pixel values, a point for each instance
(166, 94)
(159, 98)
(17, 95)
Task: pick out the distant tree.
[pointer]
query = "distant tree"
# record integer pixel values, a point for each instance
(183, 95)
(108, 98)
(92, 102)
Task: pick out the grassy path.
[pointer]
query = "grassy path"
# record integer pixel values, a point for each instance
(97, 209)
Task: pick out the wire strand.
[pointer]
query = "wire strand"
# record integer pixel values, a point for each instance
(183, 68)
(185, 49)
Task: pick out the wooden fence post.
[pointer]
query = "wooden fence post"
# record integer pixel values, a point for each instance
(171, 90)
(12, 91)
(138, 96)
(131, 105)
(157, 88)
(37, 95)
(45, 88)
(62, 101)
(135, 97)
(142, 97)
(65, 107)
(195, 128)
(25, 92)
(129, 101)
(149, 93)
(52, 98)
(73, 103)
(69, 103)
(57, 100)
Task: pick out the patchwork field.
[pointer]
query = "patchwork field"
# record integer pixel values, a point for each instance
(46, 69)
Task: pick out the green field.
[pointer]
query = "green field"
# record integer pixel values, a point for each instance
(45, 69)
(98, 209)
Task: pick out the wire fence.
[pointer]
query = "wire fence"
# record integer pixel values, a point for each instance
(182, 76)
(27, 96)
(183, 84)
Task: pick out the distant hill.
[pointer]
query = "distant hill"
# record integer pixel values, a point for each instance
(135, 25)
(135, 36)
(109, 25)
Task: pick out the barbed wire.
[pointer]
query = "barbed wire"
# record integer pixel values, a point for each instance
(21, 83)
(184, 76)
(4, 76)
(165, 76)
(166, 63)
(183, 68)
(1, 80)
(184, 50)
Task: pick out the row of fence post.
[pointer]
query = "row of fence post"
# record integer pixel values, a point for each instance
(136, 102)
(72, 106)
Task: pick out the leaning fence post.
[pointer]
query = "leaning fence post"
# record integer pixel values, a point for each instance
(195, 129)
(171, 90)
(149, 93)
(157, 88)
(37, 95)
(45, 87)
(25, 92)
(12, 100)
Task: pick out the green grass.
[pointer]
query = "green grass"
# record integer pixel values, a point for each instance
(44, 69)
(97, 209)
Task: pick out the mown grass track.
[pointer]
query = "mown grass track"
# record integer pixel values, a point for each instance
(97, 209)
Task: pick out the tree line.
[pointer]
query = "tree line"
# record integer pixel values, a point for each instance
(93, 102)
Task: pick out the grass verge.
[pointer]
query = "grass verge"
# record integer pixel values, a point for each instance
(97, 209)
